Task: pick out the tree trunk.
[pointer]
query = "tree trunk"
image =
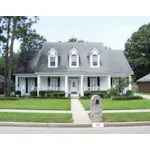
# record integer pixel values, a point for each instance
(6, 59)
(11, 56)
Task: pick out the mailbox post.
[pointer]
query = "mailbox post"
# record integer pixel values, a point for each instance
(96, 111)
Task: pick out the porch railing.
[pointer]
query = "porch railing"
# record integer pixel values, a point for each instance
(96, 88)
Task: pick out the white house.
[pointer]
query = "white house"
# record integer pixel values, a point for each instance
(71, 67)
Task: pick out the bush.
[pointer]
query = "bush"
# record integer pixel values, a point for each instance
(52, 94)
(88, 94)
(129, 93)
(33, 93)
(112, 92)
(1, 90)
(126, 97)
(18, 93)
(8, 98)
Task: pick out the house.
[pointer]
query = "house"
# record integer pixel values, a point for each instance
(71, 67)
(144, 84)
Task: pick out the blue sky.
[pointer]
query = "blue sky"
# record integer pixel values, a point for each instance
(112, 31)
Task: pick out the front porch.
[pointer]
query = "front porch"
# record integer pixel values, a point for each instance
(68, 83)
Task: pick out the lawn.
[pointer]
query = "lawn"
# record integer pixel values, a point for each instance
(36, 117)
(36, 104)
(120, 104)
(126, 117)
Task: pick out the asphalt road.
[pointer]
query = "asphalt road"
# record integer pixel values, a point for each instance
(105, 130)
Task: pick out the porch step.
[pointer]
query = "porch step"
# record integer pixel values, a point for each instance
(74, 96)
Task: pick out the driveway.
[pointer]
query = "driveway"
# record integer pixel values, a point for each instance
(143, 95)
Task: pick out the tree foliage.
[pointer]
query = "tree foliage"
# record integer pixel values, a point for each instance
(137, 51)
(75, 40)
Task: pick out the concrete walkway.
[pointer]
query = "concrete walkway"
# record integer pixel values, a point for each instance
(143, 95)
(80, 116)
(34, 111)
(125, 111)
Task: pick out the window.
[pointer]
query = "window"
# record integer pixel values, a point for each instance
(95, 60)
(74, 60)
(52, 58)
(52, 61)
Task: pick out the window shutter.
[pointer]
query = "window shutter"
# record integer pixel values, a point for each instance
(35, 82)
(98, 81)
(48, 81)
(58, 81)
(18, 81)
(88, 81)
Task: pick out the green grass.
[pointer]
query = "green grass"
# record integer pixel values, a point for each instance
(36, 117)
(125, 117)
(120, 104)
(38, 104)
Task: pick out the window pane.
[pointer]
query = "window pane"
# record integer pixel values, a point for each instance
(52, 63)
(74, 60)
(94, 58)
(52, 59)
(74, 63)
(94, 63)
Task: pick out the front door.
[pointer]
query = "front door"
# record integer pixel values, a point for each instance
(54, 84)
(74, 85)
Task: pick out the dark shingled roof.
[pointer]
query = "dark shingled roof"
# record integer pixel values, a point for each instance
(144, 79)
(112, 62)
(2, 79)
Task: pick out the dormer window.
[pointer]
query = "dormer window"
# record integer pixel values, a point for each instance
(73, 58)
(94, 58)
(52, 58)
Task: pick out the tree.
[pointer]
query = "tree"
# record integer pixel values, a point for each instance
(137, 51)
(75, 40)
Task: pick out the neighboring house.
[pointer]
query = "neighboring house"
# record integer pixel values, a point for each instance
(144, 84)
(71, 67)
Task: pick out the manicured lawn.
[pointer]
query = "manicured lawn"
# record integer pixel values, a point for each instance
(38, 104)
(126, 117)
(36, 117)
(120, 104)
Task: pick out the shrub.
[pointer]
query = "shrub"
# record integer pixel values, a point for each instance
(129, 93)
(18, 93)
(90, 93)
(126, 97)
(33, 93)
(42, 93)
(1, 90)
(8, 98)
(112, 92)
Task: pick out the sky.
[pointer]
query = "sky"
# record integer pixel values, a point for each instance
(111, 31)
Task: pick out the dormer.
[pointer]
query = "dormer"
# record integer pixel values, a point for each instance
(95, 58)
(74, 58)
(52, 58)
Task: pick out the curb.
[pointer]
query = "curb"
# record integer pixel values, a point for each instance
(72, 125)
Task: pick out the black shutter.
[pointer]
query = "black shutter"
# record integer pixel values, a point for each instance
(58, 81)
(98, 81)
(26, 85)
(35, 82)
(18, 81)
(48, 81)
(88, 81)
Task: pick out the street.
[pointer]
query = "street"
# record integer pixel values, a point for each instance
(105, 130)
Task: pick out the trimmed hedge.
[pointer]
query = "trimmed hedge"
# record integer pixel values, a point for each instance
(33, 93)
(18, 93)
(103, 94)
(112, 92)
(126, 97)
(1, 90)
(52, 94)
(8, 98)
(129, 93)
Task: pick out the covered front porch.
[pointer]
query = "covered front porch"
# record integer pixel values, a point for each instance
(68, 83)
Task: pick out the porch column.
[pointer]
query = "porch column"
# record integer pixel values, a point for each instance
(109, 82)
(82, 90)
(66, 85)
(130, 84)
(16, 83)
(38, 85)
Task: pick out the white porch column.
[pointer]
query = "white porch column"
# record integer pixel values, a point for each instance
(130, 84)
(38, 85)
(16, 83)
(82, 91)
(66, 85)
(109, 82)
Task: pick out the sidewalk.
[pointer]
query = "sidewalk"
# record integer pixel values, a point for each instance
(144, 96)
(79, 115)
